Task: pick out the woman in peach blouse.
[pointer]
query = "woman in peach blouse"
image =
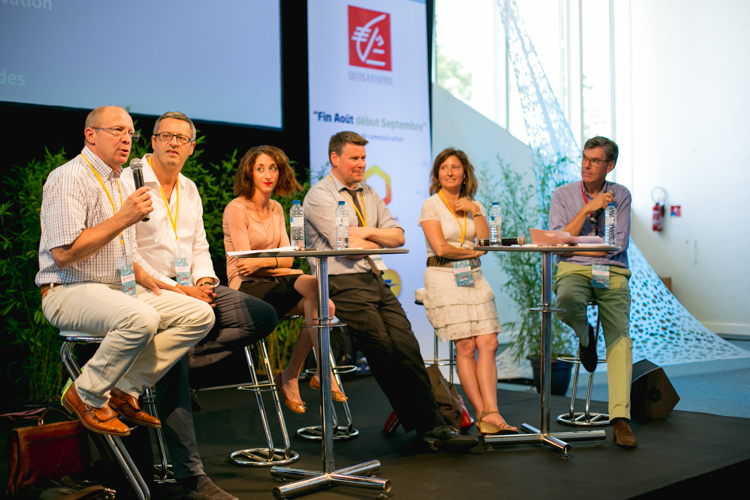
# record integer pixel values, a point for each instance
(253, 221)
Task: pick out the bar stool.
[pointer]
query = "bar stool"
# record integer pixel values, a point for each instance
(269, 456)
(343, 432)
(163, 469)
(71, 338)
(451, 360)
(585, 418)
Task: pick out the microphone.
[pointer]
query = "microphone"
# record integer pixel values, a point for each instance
(136, 165)
(595, 216)
(506, 242)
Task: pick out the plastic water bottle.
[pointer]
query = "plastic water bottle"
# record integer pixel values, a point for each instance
(297, 224)
(610, 225)
(495, 221)
(342, 226)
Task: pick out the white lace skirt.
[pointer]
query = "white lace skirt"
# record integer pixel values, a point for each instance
(458, 312)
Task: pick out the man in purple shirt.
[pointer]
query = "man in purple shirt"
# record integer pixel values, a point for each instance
(601, 276)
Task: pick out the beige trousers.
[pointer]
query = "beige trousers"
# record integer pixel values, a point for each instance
(143, 337)
(574, 290)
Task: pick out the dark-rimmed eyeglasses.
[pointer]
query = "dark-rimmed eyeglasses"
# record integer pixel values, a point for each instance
(167, 137)
(597, 162)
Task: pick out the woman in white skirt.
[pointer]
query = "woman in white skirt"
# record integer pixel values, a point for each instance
(458, 300)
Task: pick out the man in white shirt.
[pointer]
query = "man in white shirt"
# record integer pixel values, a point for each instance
(172, 247)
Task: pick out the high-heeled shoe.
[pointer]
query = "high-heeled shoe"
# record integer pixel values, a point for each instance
(295, 406)
(337, 396)
(487, 428)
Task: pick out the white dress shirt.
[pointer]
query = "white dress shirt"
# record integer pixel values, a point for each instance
(155, 239)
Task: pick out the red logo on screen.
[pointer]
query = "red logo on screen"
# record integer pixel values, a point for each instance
(369, 39)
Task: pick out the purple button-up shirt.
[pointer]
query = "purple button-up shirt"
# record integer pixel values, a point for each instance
(567, 201)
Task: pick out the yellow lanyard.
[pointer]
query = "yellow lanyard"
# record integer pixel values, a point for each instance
(362, 219)
(176, 208)
(122, 240)
(173, 220)
(463, 229)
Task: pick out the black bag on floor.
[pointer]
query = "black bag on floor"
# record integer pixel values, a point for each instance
(446, 397)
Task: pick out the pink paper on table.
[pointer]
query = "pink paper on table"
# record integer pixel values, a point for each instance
(553, 238)
(548, 238)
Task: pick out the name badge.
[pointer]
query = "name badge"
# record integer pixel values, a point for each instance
(127, 279)
(182, 271)
(462, 273)
(379, 264)
(599, 276)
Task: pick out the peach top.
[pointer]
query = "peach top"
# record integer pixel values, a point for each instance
(243, 230)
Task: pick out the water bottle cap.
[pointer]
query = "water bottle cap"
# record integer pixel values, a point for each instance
(295, 202)
(494, 203)
(341, 202)
(610, 204)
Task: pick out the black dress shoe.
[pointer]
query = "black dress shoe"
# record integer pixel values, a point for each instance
(444, 437)
(587, 355)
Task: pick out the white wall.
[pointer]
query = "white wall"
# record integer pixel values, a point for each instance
(455, 124)
(683, 120)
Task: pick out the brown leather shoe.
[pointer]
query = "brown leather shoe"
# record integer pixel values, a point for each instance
(102, 420)
(127, 406)
(624, 437)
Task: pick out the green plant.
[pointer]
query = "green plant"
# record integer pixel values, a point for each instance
(30, 345)
(280, 344)
(522, 212)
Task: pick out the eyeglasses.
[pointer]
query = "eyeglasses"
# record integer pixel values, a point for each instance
(167, 137)
(597, 162)
(120, 132)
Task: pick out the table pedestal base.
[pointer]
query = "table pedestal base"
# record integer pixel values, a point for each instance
(308, 481)
(556, 440)
(315, 433)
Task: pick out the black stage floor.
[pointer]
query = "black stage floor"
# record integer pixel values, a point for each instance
(686, 453)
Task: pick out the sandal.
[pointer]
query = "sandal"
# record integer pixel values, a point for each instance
(486, 428)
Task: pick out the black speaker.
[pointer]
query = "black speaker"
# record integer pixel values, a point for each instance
(651, 394)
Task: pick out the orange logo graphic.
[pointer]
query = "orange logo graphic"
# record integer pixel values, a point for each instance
(375, 170)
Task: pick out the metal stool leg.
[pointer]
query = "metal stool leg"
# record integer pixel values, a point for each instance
(450, 362)
(163, 468)
(115, 443)
(270, 456)
(571, 414)
(585, 418)
(452, 357)
(340, 432)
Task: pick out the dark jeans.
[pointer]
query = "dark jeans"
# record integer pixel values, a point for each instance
(240, 321)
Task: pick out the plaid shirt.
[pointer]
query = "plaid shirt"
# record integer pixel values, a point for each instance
(73, 201)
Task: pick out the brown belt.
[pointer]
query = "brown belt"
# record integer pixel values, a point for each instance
(436, 261)
(45, 288)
